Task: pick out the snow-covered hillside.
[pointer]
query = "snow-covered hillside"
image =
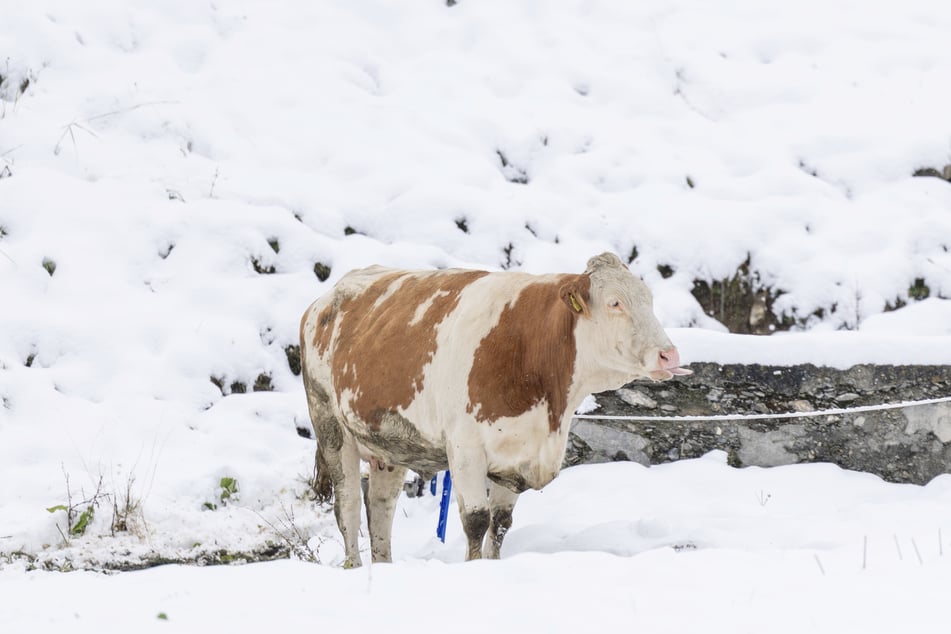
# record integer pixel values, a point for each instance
(179, 180)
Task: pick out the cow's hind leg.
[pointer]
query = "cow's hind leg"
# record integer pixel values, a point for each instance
(383, 491)
(501, 503)
(344, 465)
(337, 470)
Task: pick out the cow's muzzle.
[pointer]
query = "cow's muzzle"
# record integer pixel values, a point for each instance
(668, 365)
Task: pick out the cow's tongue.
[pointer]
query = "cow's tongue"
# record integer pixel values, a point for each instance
(669, 373)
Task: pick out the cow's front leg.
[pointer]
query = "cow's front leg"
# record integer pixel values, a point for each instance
(382, 493)
(501, 502)
(468, 481)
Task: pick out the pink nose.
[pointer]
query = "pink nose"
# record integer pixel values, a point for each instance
(668, 359)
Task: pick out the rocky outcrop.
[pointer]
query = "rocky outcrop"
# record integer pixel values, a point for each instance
(905, 444)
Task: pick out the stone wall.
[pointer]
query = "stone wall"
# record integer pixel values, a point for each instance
(908, 444)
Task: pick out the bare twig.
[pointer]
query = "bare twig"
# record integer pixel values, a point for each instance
(940, 266)
(77, 521)
(127, 511)
(214, 181)
(62, 534)
(68, 129)
(292, 535)
(113, 113)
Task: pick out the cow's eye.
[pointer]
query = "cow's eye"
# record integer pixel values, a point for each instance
(614, 304)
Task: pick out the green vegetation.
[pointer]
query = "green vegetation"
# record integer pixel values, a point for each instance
(293, 359)
(263, 383)
(322, 271)
(262, 269)
(919, 290)
(82, 523)
(227, 491)
(79, 515)
(229, 488)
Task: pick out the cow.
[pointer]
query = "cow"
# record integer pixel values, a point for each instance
(468, 370)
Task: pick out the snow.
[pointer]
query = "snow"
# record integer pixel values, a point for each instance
(689, 546)
(160, 154)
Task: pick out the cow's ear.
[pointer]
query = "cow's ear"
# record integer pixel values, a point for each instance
(575, 295)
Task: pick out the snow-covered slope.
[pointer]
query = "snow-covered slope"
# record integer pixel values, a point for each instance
(171, 173)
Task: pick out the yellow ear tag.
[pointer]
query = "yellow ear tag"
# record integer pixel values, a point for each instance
(574, 303)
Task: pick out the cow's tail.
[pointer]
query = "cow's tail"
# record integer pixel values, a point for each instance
(317, 404)
(323, 484)
(326, 429)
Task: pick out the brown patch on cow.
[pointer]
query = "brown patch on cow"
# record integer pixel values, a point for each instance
(323, 332)
(529, 356)
(384, 345)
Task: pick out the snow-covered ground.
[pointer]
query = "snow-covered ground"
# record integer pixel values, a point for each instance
(694, 546)
(171, 172)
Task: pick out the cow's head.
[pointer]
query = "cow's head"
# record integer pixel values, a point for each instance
(616, 329)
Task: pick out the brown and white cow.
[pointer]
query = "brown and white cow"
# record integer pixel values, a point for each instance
(473, 371)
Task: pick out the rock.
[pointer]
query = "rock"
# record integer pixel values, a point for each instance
(636, 398)
(848, 397)
(606, 442)
(904, 445)
(801, 405)
(935, 418)
(765, 449)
